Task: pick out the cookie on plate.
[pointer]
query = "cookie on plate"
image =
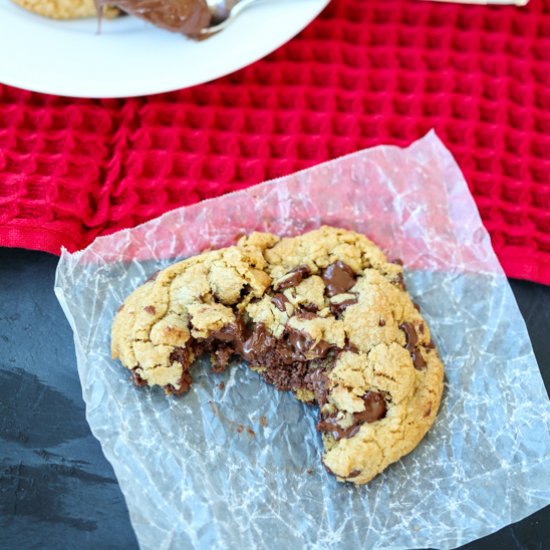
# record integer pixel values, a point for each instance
(64, 9)
(323, 315)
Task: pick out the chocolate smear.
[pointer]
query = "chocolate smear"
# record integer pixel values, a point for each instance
(304, 345)
(187, 17)
(338, 278)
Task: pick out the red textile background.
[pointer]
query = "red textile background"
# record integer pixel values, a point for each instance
(364, 73)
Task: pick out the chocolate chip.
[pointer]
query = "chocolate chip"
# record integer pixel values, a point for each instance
(348, 346)
(228, 333)
(150, 309)
(153, 276)
(411, 342)
(279, 300)
(293, 278)
(138, 380)
(416, 306)
(375, 409)
(338, 278)
(397, 261)
(338, 309)
(428, 411)
(418, 361)
(353, 473)
(410, 335)
(330, 425)
(305, 314)
(421, 328)
(311, 308)
(401, 281)
(381, 323)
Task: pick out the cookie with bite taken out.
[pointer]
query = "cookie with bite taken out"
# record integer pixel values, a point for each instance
(323, 314)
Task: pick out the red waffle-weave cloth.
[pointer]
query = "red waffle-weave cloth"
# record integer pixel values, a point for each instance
(362, 74)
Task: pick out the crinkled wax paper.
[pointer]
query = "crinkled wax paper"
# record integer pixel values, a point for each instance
(237, 465)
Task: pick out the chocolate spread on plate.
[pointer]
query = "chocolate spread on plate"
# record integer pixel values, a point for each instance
(187, 17)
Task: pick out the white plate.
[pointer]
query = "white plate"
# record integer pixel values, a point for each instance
(130, 57)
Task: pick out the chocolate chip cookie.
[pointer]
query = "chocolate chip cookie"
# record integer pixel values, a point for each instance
(65, 9)
(323, 315)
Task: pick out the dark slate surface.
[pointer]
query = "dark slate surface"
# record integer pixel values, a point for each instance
(57, 490)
